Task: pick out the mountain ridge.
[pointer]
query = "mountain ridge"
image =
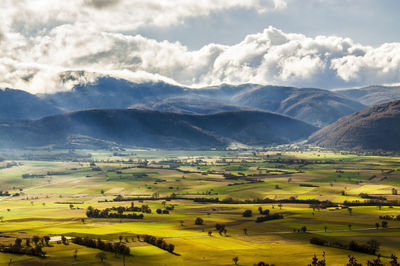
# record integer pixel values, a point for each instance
(373, 128)
(154, 129)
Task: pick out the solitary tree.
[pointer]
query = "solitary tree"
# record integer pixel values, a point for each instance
(18, 242)
(235, 260)
(102, 256)
(198, 221)
(247, 213)
(384, 224)
(75, 254)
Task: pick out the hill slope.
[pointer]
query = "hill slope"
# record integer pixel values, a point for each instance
(17, 104)
(109, 92)
(373, 128)
(156, 129)
(373, 95)
(314, 106)
(192, 104)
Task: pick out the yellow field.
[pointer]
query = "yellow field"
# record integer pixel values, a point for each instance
(42, 206)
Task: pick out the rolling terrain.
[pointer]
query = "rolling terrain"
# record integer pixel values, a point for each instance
(272, 206)
(170, 115)
(191, 104)
(315, 106)
(373, 94)
(144, 128)
(18, 104)
(374, 128)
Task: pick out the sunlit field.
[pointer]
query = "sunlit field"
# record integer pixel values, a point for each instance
(315, 195)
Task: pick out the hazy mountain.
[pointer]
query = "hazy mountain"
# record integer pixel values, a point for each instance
(191, 104)
(373, 95)
(223, 92)
(18, 104)
(377, 127)
(109, 92)
(146, 128)
(315, 106)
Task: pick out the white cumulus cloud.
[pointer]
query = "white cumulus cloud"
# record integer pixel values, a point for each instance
(116, 15)
(33, 60)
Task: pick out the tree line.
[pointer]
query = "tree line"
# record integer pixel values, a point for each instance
(116, 247)
(371, 247)
(353, 261)
(390, 217)
(372, 202)
(110, 213)
(159, 242)
(28, 249)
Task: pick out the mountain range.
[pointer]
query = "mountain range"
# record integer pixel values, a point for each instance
(146, 128)
(112, 111)
(318, 107)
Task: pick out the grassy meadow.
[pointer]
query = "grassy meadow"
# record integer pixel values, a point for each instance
(53, 198)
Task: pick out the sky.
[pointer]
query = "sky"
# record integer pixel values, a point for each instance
(304, 43)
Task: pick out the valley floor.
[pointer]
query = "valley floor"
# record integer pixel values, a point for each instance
(317, 191)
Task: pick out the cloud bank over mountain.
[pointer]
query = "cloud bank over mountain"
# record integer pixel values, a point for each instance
(39, 41)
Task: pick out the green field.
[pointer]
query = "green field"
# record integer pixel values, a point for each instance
(54, 199)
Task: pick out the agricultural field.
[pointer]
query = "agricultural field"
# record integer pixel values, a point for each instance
(204, 207)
